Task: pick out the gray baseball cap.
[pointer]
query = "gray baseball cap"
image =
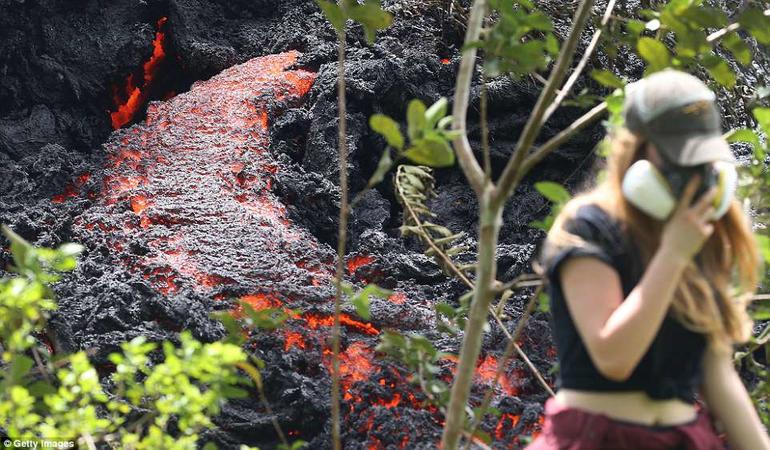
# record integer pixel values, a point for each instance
(678, 113)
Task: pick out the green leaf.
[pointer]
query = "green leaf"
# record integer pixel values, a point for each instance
(757, 23)
(654, 53)
(719, 70)
(20, 367)
(389, 129)
(70, 249)
(361, 300)
(385, 164)
(607, 78)
(763, 117)
(372, 17)
(553, 191)
(635, 27)
(431, 151)
(764, 247)
(738, 48)
(436, 112)
(415, 118)
(744, 135)
(543, 303)
(334, 14)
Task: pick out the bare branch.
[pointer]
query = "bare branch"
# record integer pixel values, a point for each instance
(581, 64)
(552, 144)
(462, 146)
(533, 125)
(719, 34)
(341, 240)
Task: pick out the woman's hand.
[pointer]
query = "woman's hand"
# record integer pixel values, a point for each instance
(689, 226)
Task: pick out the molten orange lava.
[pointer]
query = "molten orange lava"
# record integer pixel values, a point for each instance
(486, 372)
(358, 261)
(398, 298)
(293, 339)
(445, 61)
(71, 190)
(136, 95)
(506, 421)
(139, 203)
(314, 321)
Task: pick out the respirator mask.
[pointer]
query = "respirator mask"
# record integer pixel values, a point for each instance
(657, 192)
(677, 112)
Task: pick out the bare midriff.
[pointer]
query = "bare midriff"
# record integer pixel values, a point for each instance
(630, 406)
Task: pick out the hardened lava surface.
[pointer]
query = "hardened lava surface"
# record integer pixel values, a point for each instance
(186, 208)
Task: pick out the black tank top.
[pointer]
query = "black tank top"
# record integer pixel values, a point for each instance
(671, 367)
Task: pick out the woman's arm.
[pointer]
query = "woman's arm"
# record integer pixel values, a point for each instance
(618, 333)
(728, 401)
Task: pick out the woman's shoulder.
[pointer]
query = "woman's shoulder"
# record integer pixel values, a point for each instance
(590, 219)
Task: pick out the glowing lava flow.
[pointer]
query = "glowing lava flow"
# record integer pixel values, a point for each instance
(187, 203)
(132, 96)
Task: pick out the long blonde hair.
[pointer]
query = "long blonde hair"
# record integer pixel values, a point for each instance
(730, 261)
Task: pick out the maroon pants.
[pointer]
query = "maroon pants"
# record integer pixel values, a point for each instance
(576, 429)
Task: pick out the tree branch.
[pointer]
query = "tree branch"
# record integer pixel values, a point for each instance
(341, 240)
(462, 146)
(562, 94)
(534, 123)
(566, 134)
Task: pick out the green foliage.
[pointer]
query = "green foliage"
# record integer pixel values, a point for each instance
(360, 299)
(654, 53)
(429, 137)
(556, 194)
(149, 405)
(520, 42)
(370, 15)
(422, 358)
(414, 186)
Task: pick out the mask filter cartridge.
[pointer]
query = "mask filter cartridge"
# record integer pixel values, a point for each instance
(646, 188)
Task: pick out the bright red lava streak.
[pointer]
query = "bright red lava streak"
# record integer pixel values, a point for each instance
(132, 97)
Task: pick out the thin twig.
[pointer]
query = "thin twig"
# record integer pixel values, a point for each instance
(485, 131)
(40, 366)
(532, 128)
(512, 338)
(722, 32)
(273, 418)
(581, 64)
(556, 141)
(341, 239)
(462, 146)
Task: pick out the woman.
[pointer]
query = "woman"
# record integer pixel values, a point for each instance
(649, 275)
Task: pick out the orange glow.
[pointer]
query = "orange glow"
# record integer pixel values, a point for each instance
(445, 61)
(486, 373)
(355, 365)
(139, 203)
(261, 301)
(136, 96)
(398, 298)
(314, 321)
(507, 421)
(357, 261)
(293, 339)
(71, 190)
